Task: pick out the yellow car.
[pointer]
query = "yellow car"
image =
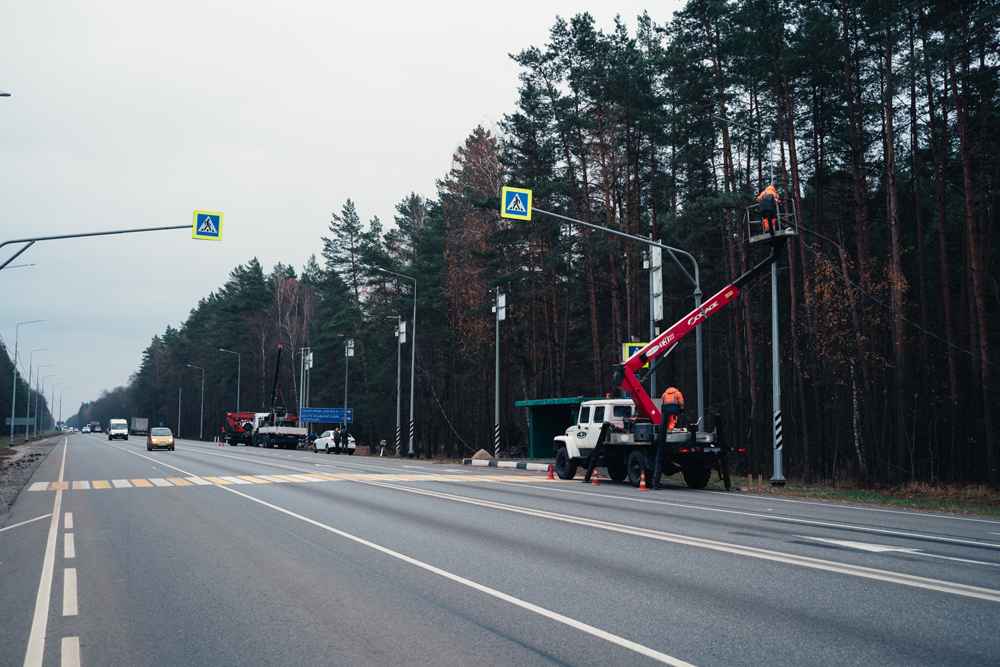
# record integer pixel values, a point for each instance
(160, 437)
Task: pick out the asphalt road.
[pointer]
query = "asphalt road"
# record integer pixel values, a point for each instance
(113, 555)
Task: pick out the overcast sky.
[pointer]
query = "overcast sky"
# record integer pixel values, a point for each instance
(134, 114)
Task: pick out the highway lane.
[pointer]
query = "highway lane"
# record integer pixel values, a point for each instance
(409, 562)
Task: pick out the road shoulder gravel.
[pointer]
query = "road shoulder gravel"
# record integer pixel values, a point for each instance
(18, 468)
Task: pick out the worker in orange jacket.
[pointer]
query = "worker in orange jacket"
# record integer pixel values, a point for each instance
(673, 395)
(769, 202)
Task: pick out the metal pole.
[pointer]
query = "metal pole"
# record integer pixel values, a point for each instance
(778, 479)
(60, 402)
(30, 242)
(34, 431)
(652, 320)
(178, 413)
(413, 350)
(399, 370)
(347, 361)
(34, 422)
(496, 390)
(13, 384)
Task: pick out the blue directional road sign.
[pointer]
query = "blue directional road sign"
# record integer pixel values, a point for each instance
(326, 415)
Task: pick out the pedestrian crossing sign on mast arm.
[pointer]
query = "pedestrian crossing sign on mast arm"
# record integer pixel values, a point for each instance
(207, 226)
(516, 203)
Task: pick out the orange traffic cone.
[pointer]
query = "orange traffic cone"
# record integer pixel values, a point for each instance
(595, 482)
(642, 482)
(550, 472)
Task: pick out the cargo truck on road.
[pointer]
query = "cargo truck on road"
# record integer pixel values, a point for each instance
(140, 426)
(277, 428)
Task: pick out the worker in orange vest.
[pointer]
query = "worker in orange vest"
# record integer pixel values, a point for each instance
(769, 202)
(673, 395)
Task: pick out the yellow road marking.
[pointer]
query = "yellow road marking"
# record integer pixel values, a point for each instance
(100, 484)
(179, 482)
(216, 480)
(59, 486)
(286, 478)
(251, 478)
(140, 482)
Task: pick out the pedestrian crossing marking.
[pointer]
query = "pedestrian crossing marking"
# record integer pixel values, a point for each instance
(273, 479)
(287, 478)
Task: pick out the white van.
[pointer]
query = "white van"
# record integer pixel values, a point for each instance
(118, 428)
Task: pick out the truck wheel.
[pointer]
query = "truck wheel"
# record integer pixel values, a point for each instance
(636, 465)
(564, 466)
(617, 471)
(696, 475)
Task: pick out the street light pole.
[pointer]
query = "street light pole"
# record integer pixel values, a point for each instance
(13, 388)
(501, 310)
(413, 350)
(34, 431)
(239, 370)
(348, 353)
(52, 405)
(778, 479)
(34, 422)
(201, 418)
(30, 366)
(60, 402)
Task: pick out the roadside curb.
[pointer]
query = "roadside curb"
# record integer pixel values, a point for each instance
(518, 465)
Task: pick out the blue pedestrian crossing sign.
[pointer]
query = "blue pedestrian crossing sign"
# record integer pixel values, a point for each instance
(516, 203)
(207, 225)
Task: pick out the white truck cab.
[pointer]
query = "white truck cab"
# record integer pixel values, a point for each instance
(581, 437)
(118, 428)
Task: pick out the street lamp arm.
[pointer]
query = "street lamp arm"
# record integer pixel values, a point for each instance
(670, 250)
(30, 241)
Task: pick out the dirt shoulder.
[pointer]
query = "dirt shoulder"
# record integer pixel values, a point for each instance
(17, 465)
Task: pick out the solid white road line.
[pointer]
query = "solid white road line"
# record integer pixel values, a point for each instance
(37, 518)
(70, 652)
(40, 621)
(69, 592)
(69, 546)
(764, 554)
(565, 620)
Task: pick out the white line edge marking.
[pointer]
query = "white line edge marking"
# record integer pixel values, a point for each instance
(40, 621)
(69, 546)
(69, 592)
(764, 554)
(68, 520)
(70, 652)
(888, 550)
(565, 620)
(37, 518)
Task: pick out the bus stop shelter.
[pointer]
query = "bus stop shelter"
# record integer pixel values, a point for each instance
(547, 418)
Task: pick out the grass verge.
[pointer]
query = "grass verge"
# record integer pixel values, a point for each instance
(954, 498)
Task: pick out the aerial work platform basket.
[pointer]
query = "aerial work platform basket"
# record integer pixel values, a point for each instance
(784, 225)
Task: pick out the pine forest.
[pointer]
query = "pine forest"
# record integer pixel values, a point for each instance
(878, 124)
